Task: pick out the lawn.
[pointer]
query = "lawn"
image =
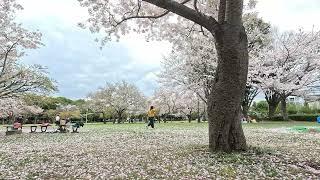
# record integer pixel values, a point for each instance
(171, 151)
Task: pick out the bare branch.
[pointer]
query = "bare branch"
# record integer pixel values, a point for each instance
(141, 17)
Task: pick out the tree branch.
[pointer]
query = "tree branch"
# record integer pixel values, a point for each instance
(206, 21)
(222, 11)
(7, 54)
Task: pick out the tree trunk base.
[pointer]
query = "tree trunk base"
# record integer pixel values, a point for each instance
(228, 138)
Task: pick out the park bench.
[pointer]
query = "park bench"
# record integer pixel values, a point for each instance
(16, 128)
(44, 127)
(76, 125)
(62, 126)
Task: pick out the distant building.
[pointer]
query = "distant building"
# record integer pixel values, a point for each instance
(295, 100)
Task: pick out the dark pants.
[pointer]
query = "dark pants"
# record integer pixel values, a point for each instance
(151, 122)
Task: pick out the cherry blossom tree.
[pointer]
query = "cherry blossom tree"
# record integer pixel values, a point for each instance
(11, 107)
(290, 63)
(192, 67)
(193, 61)
(166, 101)
(170, 19)
(310, 94)
(189, 104)
(15, 77)
(120, 96)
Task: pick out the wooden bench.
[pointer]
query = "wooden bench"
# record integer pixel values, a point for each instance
(44, 127)
(13, 129)
(76, 125)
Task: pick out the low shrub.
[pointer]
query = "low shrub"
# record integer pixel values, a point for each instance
(304, 117)
(297, 117)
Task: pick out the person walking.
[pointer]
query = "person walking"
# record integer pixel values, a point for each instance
(57, 119)
(151, 116)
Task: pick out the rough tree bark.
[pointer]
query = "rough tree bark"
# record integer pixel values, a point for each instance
(225, 130)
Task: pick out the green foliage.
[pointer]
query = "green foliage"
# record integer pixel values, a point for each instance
(70, 114)
(304, 117)
(298, 117)
(259, 109)
(49, 102)
(306, 110)
(292, 108)
(49, 115)
(297, 112)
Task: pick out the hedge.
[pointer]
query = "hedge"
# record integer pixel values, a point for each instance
(298, 117)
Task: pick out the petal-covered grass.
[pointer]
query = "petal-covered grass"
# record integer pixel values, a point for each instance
(171, 151)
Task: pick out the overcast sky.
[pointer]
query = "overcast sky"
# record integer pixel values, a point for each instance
(75, 61)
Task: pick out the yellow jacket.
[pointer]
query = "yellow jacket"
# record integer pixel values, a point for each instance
(152, 113)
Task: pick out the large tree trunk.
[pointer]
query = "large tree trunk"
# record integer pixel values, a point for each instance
(250, 93)
(225, 129)
(284, 109)
(119, 117)
(245, 111)
(189, 116)
(113, 119)
(273, 98)
(272, 110)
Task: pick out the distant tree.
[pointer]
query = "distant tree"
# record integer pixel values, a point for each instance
(189, 105)
(16, 107)
(289, 64)
(166, 101)
(120, 96)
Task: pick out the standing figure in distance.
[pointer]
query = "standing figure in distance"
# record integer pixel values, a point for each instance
(57, 119)
(151, 116)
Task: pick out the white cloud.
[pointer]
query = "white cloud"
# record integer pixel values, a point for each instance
(291, 14)
(69, 12)
(143, 52)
